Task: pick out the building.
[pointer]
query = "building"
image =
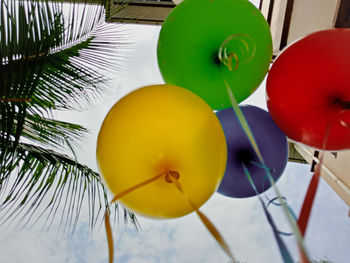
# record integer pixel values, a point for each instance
(138, 11)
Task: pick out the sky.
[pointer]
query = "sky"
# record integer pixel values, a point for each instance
(183, 240)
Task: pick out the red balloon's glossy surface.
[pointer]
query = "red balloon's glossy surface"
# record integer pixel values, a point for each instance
(308, 90)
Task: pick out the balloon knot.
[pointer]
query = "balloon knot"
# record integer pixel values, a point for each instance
(230, 60)
(173, 174)
(345, 105)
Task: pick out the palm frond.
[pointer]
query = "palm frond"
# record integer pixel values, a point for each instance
(27, 36)
(46, 184)
(54, 133)
(74, 77)
(52, 56)
(45, 131)
(59, 65)
(12, 119)
(50, 61)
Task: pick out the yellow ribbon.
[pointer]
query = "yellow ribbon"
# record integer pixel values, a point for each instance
(171, 177)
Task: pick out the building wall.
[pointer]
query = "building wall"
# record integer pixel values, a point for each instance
(310, 16)
(335, 169)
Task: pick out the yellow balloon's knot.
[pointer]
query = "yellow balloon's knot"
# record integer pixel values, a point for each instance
(173, 174)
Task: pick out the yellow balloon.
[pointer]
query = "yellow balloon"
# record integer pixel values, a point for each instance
(159, 129)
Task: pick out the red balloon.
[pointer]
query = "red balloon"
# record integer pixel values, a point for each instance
(308, 90)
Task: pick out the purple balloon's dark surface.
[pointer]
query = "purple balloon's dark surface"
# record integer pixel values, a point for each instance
(271, 141)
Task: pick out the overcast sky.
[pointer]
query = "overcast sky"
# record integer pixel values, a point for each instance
(185, 240)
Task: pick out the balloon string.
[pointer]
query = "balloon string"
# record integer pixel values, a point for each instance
(207, 223)
(243, 122)
(227, 57)
(227, 61)
(109, 237)
(272, 201)
(307, 206)
(270, 170)
(253, 143)
(287, 258)
(311, 193)
(263, 166)
(137, 186)
(117, 197)
(309, 198)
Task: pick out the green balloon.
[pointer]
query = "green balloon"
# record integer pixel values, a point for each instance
(189, 44)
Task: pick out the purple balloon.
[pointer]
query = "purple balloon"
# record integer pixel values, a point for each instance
(271, 141)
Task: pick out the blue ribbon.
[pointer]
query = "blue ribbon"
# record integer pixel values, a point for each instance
(287, 258)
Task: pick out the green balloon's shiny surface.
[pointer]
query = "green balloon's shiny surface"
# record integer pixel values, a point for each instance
(190, 40)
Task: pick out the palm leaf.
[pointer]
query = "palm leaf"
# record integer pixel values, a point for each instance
(45, 183)
(52, 54)
(74, 77)
(50, 132)
(56, 134)
(65, 72)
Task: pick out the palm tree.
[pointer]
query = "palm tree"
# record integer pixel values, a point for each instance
(52, 56)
